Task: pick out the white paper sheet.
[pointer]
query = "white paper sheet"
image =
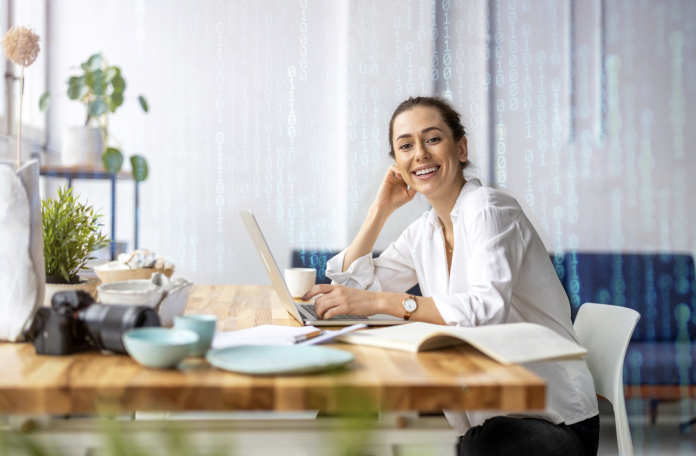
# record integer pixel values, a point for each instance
(261, 335)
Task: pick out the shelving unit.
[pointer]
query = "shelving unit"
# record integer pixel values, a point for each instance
(91, 172)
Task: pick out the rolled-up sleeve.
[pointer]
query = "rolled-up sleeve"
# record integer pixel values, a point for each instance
(496, 246)
(360, 274)
(392, 271)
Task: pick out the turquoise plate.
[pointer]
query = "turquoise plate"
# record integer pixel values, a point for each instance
(278, 359)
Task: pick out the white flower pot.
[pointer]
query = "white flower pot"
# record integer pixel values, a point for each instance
(82, 146)
(87, 285)
(22, 272)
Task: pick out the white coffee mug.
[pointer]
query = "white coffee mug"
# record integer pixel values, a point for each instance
(300, 280)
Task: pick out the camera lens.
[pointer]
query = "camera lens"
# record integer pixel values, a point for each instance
(105, 324)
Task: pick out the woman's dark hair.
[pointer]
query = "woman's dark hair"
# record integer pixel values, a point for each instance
(448, 113)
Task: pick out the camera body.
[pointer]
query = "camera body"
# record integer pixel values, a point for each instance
(75, 323)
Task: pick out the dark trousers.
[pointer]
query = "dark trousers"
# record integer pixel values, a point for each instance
(502, 436)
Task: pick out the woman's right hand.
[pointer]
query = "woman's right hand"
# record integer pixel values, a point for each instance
(393, 192)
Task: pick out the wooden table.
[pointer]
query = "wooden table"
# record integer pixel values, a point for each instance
(378, 380)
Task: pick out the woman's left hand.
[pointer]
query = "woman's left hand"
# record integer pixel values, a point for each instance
(340, 300)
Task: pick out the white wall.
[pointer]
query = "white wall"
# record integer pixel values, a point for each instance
(245, 100)
(594, 106)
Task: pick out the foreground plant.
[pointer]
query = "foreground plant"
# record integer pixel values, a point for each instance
(72, 231)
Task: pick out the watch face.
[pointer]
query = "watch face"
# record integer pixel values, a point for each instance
(410, 305)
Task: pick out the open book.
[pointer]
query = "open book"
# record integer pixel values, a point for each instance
(508, 343)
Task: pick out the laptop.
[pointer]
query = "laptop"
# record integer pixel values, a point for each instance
(303, 312)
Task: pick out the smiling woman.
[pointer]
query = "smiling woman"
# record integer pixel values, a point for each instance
(478, 261)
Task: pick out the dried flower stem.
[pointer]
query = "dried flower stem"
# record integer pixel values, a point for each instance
(19, 136)
(21, 47)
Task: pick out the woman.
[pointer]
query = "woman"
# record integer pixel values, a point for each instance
(478, 261)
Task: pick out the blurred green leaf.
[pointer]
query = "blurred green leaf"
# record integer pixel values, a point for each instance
(45, 101)
(139, 167)
(93, 63)
(32, 447)
(115, 100)
(95, 81)
(77, 88)
(119, 84)
(97, 107)
(112, 160)
(111, 73)
(143, 103)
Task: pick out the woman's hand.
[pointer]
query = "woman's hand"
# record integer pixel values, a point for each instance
(338, 300)
(393, 192)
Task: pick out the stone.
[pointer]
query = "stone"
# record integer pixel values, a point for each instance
(138, 259)
(164, 263)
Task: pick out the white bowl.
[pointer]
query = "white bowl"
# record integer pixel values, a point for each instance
(133, 292)
(118, 272)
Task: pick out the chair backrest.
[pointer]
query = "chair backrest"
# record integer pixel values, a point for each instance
(605, 330)
(313, 259)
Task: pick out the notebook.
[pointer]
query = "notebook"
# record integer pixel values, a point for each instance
(511, 343)
(261, 335)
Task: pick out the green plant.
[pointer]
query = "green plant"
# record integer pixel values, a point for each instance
(101, 88)
(71, 233)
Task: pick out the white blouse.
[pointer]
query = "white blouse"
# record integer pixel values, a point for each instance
(501, 273)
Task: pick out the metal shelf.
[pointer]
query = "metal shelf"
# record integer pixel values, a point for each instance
(93, 172)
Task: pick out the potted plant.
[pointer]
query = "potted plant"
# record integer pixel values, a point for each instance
(101, 88)
(72, 231)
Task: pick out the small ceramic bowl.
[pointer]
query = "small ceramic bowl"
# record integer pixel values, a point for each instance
(133, 292)
(159, 347)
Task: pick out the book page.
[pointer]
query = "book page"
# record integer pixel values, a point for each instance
(398, 337)
(520, 343)
(506, 343)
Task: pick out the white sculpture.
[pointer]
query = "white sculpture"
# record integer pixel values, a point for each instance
(176, 294)
(22, 272)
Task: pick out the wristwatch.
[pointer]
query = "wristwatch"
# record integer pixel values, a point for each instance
(409, 304)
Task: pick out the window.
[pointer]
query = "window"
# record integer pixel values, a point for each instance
(29, 13)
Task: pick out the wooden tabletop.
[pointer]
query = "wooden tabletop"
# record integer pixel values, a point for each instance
(378, 380)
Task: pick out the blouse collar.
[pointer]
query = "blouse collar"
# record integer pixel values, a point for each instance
(434, 221)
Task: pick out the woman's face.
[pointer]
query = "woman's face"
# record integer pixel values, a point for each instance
(427, 156)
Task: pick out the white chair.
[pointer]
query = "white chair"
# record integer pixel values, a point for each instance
(605, 331)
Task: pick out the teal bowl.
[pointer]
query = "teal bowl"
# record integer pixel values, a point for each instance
(159, 347)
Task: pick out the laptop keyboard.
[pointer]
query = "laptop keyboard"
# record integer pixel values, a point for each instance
(310, 310)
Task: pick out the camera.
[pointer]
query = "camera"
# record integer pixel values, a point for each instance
(75, 323)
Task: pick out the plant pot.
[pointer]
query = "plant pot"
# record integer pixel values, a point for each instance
(82, 146)
(88, 285)
(21, 248)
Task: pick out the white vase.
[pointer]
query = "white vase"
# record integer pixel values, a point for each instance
(82, 146)
(22, 270)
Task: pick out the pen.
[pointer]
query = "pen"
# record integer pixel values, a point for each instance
(329, 335)
(311, 335)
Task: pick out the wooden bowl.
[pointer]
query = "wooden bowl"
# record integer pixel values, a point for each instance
(119, 275)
